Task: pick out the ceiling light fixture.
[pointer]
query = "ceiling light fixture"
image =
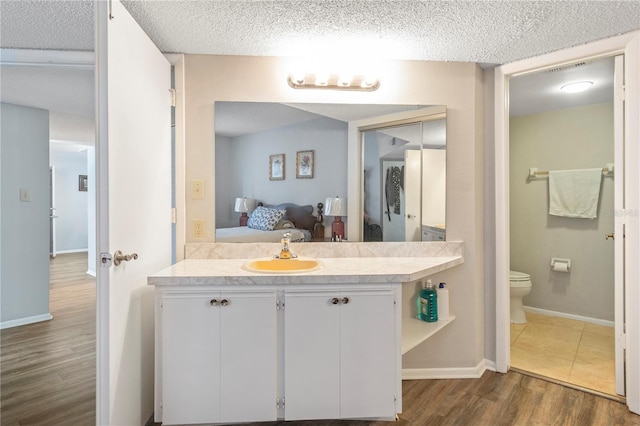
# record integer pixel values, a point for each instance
(333, 81)
(576, 87)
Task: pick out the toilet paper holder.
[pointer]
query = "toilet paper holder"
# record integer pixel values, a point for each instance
(560, 265)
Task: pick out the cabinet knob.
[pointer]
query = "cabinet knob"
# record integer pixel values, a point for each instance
(335, 301)
(224, 302)
(213, 302)
(345, 300)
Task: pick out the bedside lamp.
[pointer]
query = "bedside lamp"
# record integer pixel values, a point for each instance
(244, 205)
(336, 207)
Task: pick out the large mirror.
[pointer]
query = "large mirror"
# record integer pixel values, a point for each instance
(289, 157)
(404, 196)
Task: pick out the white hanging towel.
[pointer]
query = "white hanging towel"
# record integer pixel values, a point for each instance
(574, 193)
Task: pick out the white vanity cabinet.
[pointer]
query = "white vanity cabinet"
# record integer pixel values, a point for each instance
(218, 356)
(340, 353)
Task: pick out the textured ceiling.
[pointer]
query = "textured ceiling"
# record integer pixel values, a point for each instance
(489, 32)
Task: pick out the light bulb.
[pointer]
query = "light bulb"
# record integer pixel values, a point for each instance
(576, 87)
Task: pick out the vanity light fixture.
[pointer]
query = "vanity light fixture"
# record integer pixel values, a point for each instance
(244, 205)
(333, 81)
(576, 87)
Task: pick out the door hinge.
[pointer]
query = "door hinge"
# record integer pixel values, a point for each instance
(621, 93)
(174, 215)
(106, 259)
(173, 97)
(279, 305)
(280, 402)
(622, 340)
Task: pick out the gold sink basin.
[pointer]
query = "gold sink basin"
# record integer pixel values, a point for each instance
(281, 265)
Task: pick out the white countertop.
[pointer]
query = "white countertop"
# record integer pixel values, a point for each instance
(344, 270)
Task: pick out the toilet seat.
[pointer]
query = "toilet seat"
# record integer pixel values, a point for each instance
(519, 279)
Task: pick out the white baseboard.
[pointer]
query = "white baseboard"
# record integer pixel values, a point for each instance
(569, 316)
(449, 373)
(25, 321)
(82, 250)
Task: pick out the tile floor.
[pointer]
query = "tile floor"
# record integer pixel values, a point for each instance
(563, 349)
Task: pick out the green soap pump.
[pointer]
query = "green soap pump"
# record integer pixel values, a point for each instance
(428, 303)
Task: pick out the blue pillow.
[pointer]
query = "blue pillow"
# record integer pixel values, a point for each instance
(264, 218)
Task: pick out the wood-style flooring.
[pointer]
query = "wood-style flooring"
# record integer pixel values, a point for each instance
(48, 377)
(47, 371)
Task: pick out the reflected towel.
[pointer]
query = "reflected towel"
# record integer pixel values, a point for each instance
(574, 193)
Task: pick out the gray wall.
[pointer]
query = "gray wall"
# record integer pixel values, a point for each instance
(242, 167)
(71, 204)
(24, 272)
(573, 138)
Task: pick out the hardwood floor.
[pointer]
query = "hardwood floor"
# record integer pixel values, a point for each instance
(48, 368)
(48, 377)
(496, 399)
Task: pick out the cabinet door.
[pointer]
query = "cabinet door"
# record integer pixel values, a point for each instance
(311, 356)
(367, 354)
(248, 356)
(190, 359)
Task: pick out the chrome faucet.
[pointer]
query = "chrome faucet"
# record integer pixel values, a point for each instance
(285, 251)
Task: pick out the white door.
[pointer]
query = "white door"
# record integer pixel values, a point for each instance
(52, 211)
(191, 358)
(311, 353)
(367, 354)
(248, 356)
(134, 209)
(619, 205)
(412, 195)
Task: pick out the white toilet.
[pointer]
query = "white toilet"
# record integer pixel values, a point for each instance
(520, 286)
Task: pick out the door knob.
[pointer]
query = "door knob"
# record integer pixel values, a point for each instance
(213, 302)
(610, 236)
(224, 302)
(119, 257)
(335, 301)
(345, 300)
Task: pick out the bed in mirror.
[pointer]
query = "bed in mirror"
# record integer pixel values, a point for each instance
(309, 144)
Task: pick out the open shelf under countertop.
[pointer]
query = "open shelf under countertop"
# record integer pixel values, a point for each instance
(415, 331)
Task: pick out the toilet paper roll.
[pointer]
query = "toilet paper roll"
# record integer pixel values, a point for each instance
(561, 267)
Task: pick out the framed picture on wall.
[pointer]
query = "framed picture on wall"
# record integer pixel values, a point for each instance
(276, 167)
(83, 184)
(304, 164)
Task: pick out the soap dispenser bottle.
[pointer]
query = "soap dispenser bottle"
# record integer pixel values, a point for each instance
(443, 302)
(427, 303)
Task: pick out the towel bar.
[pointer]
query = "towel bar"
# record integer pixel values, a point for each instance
(534, 172)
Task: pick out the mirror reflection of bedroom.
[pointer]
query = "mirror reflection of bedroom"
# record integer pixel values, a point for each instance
(279, 168)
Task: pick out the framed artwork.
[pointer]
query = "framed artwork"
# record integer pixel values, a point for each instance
(276, 167)
(304, 164)
(83, 184)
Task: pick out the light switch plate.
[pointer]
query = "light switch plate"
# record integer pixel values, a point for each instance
(197, 189)
(25, 195)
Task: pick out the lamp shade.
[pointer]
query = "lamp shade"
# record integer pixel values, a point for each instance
(335, 206)
(244, 204)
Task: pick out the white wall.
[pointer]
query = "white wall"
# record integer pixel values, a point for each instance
(71, 204)
(458, 86)
(24, 271)
(572, 138)
(243, 167)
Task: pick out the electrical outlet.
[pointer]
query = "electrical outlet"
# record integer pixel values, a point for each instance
(197, 189)
(198, 228)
